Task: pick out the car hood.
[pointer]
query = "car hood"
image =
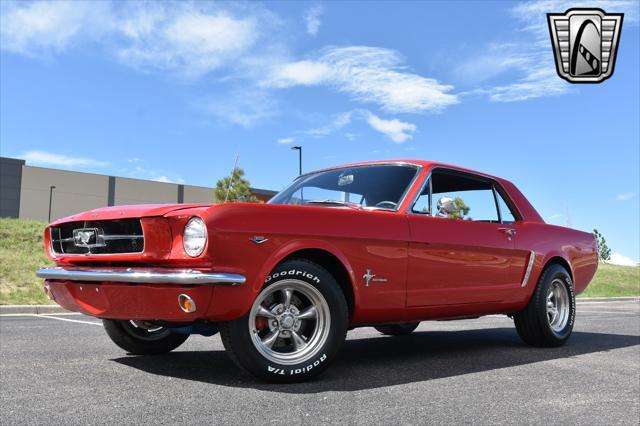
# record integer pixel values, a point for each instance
(124, 212)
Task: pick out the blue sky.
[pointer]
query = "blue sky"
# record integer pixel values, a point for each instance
(172, 91)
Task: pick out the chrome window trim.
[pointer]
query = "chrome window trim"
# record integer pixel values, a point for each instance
(418, 167)
(494, 184)
(376, 163)
(495, 200)
(502, 193)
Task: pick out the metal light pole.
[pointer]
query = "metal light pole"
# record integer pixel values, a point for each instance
(299, 149)
(51, 188)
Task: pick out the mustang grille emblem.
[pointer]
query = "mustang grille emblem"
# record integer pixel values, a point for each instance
(85, 237)
(585, 43)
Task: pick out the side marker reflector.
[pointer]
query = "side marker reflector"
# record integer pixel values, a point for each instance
(186, 303)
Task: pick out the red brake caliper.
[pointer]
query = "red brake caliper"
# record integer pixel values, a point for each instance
(261, 323)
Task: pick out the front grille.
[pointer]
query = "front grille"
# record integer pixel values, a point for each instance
(98, 237)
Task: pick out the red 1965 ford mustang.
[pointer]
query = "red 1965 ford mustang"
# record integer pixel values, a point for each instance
(382, 244)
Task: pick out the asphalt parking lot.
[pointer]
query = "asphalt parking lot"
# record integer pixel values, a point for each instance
(66, 370)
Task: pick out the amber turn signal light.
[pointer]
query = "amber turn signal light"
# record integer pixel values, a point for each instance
(186, 303)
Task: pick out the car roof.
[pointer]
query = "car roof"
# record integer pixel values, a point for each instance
(421, 163)
(526, 210)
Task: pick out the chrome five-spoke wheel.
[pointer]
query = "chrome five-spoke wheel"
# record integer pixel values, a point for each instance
(557, 305)
(289, 322)
(547, 320)
(295, 326)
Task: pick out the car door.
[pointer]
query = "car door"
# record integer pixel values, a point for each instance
(460, 252)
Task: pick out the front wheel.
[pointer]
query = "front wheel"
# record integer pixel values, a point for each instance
(295, 327)
(142, 337)
(548, 319)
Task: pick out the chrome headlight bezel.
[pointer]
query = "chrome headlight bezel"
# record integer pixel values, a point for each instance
(194, 236)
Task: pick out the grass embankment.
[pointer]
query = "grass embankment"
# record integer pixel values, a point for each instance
(614, 281)
(22, 253)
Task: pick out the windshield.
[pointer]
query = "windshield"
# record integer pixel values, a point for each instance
(369, 186)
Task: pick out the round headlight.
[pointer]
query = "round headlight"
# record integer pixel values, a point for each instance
(194, 237)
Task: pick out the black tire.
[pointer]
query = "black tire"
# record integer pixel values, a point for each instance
(306, 282)
(139, 340)
(534, 323)
(397, 329)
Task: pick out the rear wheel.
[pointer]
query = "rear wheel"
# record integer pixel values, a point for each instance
(397, 329)
(295, 327)
(548, 318)
(142, 337)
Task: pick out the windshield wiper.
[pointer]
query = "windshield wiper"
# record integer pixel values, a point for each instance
(335, 203)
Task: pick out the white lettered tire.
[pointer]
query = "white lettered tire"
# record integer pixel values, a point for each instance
(295, 328)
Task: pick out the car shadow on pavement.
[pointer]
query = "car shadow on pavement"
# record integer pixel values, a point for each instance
(386, 361)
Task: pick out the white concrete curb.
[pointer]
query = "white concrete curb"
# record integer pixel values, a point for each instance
(31, 309)
(607, 299)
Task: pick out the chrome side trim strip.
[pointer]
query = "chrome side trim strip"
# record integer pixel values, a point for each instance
(141, 275)
(532, 257)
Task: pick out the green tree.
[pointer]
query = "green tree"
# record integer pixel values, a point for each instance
(604, 252)
(460, 209)
(237, 188)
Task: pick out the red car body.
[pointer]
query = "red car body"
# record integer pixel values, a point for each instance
(427, 267)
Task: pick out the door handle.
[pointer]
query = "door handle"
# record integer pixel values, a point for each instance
(509, 231)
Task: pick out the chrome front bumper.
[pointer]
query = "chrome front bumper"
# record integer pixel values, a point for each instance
(141, 275)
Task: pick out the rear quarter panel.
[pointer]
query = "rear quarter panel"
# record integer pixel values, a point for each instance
(577, 248)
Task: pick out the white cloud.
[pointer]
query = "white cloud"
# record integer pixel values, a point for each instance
(367, 74)
(625, 196)
(532, 64)
(338, 122)
(312, 19)
(166, 179)
(189, 39)
(303, 73)
(286, 141)
(40, 28)
(351, 136)
(534, 13)
(620, 259)
(244, 108)
(396, 130)
(141, 170)
(186, 39)
(45, 158)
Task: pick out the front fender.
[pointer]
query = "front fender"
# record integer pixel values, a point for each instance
(294, 246)
(233, 302)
